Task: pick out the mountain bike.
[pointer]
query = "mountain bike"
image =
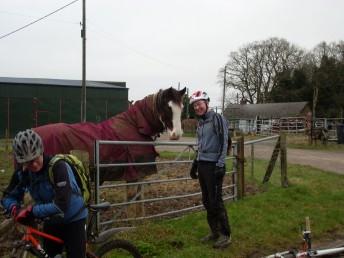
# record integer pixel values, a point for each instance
(307, 250)
(29, 245)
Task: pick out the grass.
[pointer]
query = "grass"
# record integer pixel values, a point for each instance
(333, 147)
(6, 168)
(302, 142)
(262, 223)
(189, 134)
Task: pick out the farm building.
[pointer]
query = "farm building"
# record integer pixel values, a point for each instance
(263, 117)
(31, 102)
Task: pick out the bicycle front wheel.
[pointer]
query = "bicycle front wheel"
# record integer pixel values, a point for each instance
(118, 248)
(21, 252)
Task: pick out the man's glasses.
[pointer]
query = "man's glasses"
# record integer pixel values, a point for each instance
(197, 104)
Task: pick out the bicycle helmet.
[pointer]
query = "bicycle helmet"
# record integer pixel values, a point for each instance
(199, 95)
(27, 146)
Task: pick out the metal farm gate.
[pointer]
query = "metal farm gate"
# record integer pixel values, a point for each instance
(169, 193)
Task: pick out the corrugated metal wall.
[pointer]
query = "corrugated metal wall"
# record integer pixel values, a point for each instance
(27, 106)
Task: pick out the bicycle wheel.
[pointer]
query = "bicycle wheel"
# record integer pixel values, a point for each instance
(284, 255)
(118, 248)
(289, 256)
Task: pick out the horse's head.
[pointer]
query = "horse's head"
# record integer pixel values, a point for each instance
(170, 106)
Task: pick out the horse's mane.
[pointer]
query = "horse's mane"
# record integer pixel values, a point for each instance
(143, 115)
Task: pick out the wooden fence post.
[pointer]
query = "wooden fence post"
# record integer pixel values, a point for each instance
(272, 162)
(283, 157)
(252, 160)
(241, 174)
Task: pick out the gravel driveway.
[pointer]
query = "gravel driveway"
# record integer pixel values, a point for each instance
(325, 160)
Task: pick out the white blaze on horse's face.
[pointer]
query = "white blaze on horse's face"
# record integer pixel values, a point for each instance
(176, 117)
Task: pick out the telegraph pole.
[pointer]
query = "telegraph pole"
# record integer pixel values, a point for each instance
(83, 86)
(187, 103)
(224, 90)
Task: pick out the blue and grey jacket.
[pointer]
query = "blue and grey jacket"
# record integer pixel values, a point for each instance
(212, 138)
(60, 200)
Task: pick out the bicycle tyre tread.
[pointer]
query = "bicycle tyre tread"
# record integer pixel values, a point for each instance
(118, 244)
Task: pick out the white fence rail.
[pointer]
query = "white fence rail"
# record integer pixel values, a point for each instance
(290, 125)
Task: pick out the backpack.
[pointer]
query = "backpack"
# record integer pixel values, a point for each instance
(81, 175)
(220, 123)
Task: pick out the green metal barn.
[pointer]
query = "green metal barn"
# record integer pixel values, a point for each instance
(30, 102)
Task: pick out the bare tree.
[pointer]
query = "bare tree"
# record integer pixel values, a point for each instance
(253, 68)
(331, 50)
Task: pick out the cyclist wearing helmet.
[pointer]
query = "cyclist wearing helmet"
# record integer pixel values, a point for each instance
(59, 201)
(209, 167)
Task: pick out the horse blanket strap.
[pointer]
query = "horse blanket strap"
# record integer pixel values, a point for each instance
(220, 132)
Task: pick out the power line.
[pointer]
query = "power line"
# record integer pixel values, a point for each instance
(33, 22)
(110, 36)
(31, 16)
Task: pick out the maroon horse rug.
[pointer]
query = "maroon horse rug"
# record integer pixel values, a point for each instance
(143, 121)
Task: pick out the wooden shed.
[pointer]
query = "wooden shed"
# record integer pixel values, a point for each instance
(253, 117)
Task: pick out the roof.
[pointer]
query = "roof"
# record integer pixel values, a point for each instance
(268, 110)
(60, 82)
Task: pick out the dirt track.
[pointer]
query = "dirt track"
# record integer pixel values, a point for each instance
(325, 160)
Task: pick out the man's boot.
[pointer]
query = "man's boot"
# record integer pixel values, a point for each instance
(214, 231)
(222, 241)
(209, 237)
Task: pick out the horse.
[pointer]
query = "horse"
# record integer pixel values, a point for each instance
(143, 121)
(318, 133)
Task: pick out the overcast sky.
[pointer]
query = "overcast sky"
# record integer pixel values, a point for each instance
(153, 44)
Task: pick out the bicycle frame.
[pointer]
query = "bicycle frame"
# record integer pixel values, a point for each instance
(93, 236)
(307, 247)
(33, 243)
(309, 253)
(29, 236)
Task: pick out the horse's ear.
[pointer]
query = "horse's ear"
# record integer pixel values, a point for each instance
(182, 92)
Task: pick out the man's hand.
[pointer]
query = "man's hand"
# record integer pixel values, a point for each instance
(220, 171)
(25, 216)
(194, 169)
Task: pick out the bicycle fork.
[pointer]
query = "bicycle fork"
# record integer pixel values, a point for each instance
(307, 235)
